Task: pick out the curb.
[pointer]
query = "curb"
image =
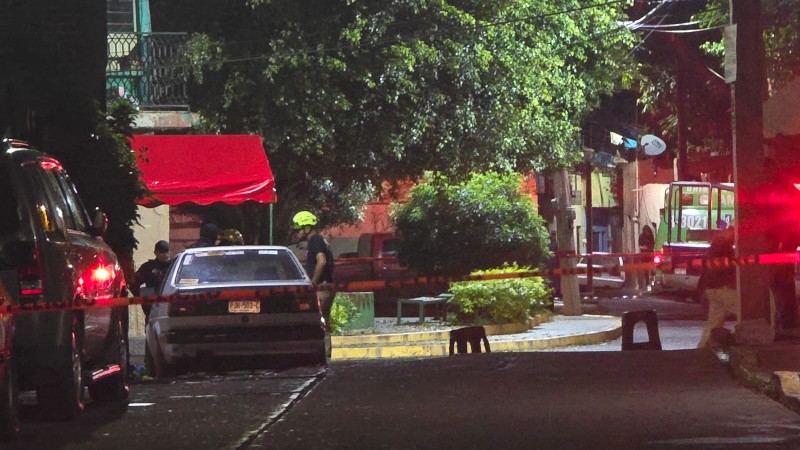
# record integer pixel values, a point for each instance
(439, 348)
(782, 386)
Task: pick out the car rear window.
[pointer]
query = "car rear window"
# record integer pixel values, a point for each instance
(238, 266)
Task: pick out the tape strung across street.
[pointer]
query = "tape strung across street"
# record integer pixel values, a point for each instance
(7, 307)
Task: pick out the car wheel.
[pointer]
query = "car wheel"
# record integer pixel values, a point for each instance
(114, 388)
(9, 408)
(64, 400)
(159, 367)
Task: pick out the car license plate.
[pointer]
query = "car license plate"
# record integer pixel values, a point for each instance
(680, 271)
(244, 306)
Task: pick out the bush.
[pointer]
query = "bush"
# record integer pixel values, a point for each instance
(508, 300)
(342, 312)
(453, 228)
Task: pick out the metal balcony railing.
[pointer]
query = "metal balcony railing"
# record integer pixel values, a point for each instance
(149, 69)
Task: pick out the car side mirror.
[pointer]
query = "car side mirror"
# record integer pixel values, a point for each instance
(99, 223)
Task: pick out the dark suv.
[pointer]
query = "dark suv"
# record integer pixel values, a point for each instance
(51, 251)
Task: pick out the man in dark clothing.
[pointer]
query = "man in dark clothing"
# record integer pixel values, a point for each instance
(319, 260)
(152, 272)
(719, 279)
(209, 235)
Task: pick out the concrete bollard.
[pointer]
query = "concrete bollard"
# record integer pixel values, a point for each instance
(629, 321)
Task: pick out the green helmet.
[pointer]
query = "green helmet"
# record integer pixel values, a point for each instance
(231, 236)
(303, 218)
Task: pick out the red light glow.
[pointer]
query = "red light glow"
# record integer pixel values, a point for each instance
(657, 258)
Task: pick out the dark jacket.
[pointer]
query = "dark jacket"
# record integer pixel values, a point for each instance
(720, 270)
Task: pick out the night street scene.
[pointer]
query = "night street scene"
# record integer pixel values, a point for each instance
(360, 224)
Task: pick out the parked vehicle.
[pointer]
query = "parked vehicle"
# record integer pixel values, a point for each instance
(212, 331)
(693, 214)
(50, 251)
(9, 412)
(376, 259)
(608, 271)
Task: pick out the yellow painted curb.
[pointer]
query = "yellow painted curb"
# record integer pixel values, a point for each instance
(427, 336)
(442, 348)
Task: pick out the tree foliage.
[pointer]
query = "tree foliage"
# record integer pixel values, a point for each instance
(707, 96)
(350, 93)
(483, 222)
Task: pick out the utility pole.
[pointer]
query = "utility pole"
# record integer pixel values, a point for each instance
(566, 244)
(589, 225)
(748, 162)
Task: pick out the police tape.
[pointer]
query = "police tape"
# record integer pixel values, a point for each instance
(695, 260)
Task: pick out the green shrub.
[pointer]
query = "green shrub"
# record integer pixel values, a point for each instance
(453, 227)
(508, 300)
(342, 312)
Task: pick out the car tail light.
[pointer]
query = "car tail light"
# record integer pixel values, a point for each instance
(30, 279)
(181, 309)
(306, 303)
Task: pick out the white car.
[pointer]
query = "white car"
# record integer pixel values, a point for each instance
(608, 271)
(286, 322)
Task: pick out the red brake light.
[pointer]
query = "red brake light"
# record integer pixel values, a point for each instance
(102, 274)
(657, 258)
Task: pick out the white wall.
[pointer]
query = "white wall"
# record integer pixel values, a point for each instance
(153, 226)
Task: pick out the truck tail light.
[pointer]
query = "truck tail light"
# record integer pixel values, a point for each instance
(658, 258)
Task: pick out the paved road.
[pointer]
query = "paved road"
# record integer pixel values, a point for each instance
(197, 412)
(683, 399)
(680, 324)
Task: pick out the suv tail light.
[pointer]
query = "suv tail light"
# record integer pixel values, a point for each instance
(29, 272)
(30, 280)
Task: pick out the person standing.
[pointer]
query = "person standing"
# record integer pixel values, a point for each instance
(720, 283)
(647, 243)
(152, 273)
(319, 261)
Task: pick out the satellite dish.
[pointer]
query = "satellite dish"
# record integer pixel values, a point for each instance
(653, 145)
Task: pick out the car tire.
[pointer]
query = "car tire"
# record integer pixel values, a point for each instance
(9, 406)
(63, 400)
(159, 367)
(115, 388)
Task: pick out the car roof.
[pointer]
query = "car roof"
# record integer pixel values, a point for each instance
(218, 248)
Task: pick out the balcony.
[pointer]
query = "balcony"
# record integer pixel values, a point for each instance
(149, 69)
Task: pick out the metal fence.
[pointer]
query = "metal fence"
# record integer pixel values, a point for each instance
(149, 69)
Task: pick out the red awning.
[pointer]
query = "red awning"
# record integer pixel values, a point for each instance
(204, 169)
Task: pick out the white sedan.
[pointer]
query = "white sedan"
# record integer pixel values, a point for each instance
(282, 319)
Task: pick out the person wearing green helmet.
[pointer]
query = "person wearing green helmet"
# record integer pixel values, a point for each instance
(319, 260)
(231, 236)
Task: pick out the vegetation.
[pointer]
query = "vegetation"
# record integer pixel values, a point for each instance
(104, 168)
(510, 300)
(454, 228)
(349, 94)
(342, 311)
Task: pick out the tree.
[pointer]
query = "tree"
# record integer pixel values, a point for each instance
(349, 94)
(481, 223)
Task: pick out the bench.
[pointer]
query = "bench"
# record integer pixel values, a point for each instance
(440, 299)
